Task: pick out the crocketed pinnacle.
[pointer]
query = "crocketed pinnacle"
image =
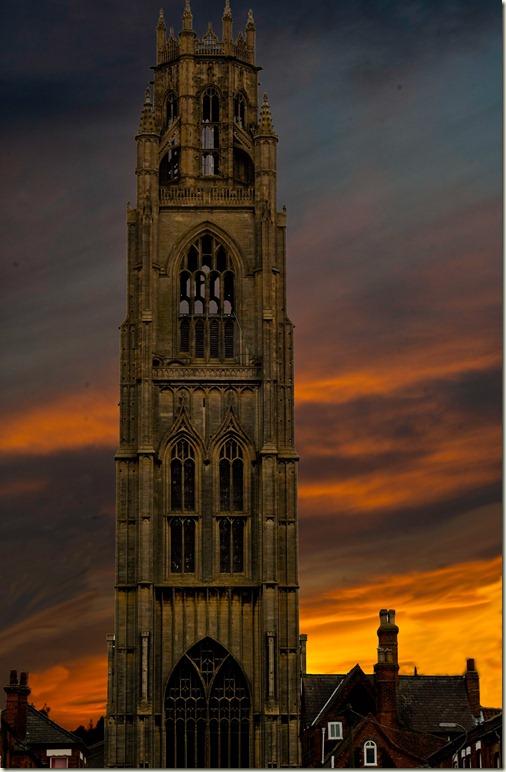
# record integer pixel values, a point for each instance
(147, 124)
(250, 24)
(227, 13)
(161, 20)
(187, 16)
(265, 123)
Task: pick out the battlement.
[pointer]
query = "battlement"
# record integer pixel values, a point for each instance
(169, 49)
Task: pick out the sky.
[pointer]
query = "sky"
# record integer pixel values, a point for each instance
(388, 115)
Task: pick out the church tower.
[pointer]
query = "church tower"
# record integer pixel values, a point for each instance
(203, 668)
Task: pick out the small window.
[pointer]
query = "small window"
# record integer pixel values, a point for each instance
(59, 762)
(335, 730)
(370, 754)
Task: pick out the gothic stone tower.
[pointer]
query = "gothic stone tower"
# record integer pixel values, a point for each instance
(204, 666)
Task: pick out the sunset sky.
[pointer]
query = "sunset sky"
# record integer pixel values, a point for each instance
(388, 114)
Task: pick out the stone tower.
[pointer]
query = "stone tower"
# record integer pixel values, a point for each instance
(203, 666)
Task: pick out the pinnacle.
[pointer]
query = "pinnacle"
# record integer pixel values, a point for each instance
(265, 124)
(161, 20)
(227, 13)
(147, 123)
(250, 24)
(187, 16)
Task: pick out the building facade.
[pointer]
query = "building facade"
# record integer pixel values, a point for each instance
(388, 720)
(203, 666)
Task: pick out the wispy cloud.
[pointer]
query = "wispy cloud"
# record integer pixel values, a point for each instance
(444, 617)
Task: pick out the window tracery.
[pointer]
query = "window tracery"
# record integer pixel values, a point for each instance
(207, 711)
(207, 301)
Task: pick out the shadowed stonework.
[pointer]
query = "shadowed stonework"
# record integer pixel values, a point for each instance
(203, 665)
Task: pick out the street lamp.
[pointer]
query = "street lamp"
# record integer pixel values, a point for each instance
(453, 725)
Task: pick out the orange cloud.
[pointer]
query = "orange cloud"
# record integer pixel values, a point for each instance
(444, 616)
(442, 461)
(75, 691)
(444, 359)
(71, 421)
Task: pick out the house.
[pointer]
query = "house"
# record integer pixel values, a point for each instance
(480, 748)
(384, 719)
(30, 738)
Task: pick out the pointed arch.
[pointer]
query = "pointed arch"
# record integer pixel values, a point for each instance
(180, 249)
(232, 454)
(241, 108)
(231, 427)
(181, 452)
(207, 275)
(207, 710)
(182, 427)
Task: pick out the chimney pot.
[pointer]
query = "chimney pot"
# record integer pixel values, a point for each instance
(13, 677)
(23, 679)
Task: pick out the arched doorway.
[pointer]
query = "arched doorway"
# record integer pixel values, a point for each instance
(207, 711)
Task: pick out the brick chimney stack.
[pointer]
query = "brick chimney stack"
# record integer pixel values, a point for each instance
(386, 670)
(472, 680)
(16, 707)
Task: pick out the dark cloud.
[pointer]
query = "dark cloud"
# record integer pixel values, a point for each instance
(389, 119)
(56, 527)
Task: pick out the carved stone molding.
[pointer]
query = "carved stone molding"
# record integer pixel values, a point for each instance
(206, 373)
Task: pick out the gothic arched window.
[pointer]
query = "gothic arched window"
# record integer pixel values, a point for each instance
(210, 132)
(182, 528)
(231, 477)
(231, 529)
(240, 109)
(207, 301)
(207, 711)
(168, 171)
(182, 477)
(170, 109)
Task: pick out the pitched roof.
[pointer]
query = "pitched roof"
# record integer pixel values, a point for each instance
(423, 702)
(317, 689)
(481, 731)
(41, 730)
